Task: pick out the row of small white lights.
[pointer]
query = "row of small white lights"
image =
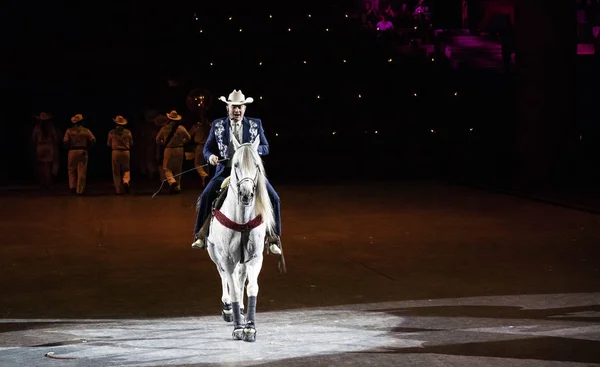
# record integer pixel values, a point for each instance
(289, 29)
(260, 63)
(433, 132)
(335, 132)
(305, 62)
(415, 94)
(270, 16)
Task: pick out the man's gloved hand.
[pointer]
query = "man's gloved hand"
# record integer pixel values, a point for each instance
(213, 159)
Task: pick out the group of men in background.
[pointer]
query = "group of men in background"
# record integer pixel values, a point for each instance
(165, 153)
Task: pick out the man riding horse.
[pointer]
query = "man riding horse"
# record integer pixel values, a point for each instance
(218, 151)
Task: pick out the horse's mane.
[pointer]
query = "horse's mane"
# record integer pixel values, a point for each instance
(247, 157)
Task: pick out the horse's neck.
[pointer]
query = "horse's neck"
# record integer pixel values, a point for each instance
(235, 211)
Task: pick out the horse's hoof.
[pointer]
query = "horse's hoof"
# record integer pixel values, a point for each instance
(227, 313)
(249, 332)
(227, 316)
(238, 333)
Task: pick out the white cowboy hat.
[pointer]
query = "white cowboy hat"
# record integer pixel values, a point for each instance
(75, 119)
(44, 116)
(173, 115)
(236, 98)
(120, 120)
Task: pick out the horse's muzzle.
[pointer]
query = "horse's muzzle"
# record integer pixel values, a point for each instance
(246, 199)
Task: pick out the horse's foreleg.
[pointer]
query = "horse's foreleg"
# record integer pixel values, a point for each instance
(236, 295)
(238, 328)
(216, 257)
(236, 299)
(225, 298)
(227, 311)
(242, 275)
(253, 270)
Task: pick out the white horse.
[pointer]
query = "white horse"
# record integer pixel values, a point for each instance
(237, 237)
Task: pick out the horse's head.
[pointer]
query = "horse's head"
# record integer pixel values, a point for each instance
(246, 166)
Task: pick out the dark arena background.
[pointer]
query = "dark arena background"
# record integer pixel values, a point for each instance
(437, 164)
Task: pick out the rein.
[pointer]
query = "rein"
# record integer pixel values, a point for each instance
(186, 171)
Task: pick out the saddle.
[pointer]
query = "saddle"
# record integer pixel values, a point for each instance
(221, 195)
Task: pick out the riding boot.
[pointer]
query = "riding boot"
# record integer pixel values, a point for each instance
(273, 244)
(202, 235)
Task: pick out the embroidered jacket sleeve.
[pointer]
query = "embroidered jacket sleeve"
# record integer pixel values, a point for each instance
(263, 148)
(211, 147)
(257, 130)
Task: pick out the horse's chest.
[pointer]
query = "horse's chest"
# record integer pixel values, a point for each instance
(239, 246)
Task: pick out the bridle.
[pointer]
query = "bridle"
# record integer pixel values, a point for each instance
(239, 182)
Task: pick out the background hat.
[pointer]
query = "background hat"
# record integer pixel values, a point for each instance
(75, 119)
(173, 115)
(161, 120)
(120, 120)
(236, 98)
(44, 116)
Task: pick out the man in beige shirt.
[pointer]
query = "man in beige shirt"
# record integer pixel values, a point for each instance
(120, 141)
(78, 140)
(199, 132)
(173, 137)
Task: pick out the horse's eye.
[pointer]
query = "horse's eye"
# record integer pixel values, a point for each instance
(236, 165)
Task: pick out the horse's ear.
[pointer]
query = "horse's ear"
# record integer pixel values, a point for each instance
(256, 143)
(236, 143)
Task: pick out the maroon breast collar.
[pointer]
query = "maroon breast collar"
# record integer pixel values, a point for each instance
(238, 227)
